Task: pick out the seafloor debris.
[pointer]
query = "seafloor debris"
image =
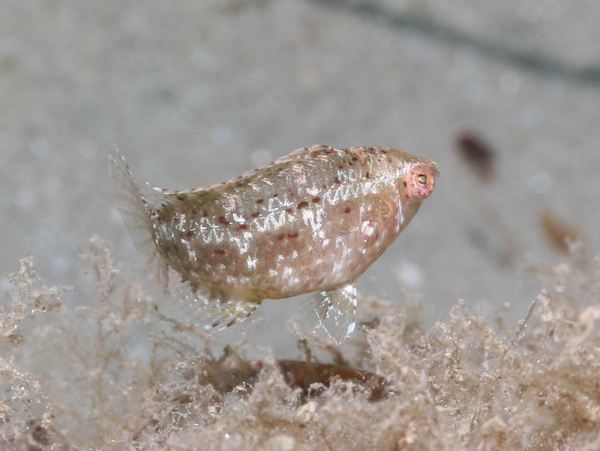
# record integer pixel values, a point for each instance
(496, 238)
(477, 153)
(560, 235)
(232, 370)
(304, 374)
(112, 374)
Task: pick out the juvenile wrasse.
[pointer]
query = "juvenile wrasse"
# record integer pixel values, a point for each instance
(312, 221)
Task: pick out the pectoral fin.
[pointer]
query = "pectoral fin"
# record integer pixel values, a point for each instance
(336, 313)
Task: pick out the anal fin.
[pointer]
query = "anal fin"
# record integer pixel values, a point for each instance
(210, 312)
(224, 314)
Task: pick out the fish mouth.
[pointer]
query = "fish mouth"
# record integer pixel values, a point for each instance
(434, 168)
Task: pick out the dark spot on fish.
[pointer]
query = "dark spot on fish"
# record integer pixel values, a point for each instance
(220, 251)
(324, 186)
(180, 197)
(337, 181)
(315, 153)
(188, 234)
(347, 210)
(259, 201)
(383, 151)
(243, 227)
(205, 214)
(230, 323)
(256, 214)
(276, 195)
(404, 183)
(316, 200)
(340, 166)
(355, 159)
(289, 210)
(215, 324)
(302, 204)
(223, 220)
(293, 235)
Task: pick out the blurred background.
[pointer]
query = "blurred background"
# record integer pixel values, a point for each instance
(505, 96)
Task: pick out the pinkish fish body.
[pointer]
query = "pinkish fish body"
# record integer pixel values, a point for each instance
(312, 221)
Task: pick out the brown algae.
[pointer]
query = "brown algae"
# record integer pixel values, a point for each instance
(467, 382)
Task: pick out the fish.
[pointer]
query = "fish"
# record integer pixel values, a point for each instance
(311, 222)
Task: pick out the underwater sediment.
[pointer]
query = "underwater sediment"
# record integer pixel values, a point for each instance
(76, 377)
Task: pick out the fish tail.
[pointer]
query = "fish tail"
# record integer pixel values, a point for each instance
(131, 203)
(136, 209)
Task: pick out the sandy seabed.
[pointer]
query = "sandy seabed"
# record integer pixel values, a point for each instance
(117, 373)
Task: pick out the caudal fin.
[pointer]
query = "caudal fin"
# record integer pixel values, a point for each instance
(130, 200)
(136, 211)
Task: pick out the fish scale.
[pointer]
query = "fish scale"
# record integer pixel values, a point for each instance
(312, 221)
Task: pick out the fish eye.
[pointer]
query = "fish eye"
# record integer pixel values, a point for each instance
(422, 179)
